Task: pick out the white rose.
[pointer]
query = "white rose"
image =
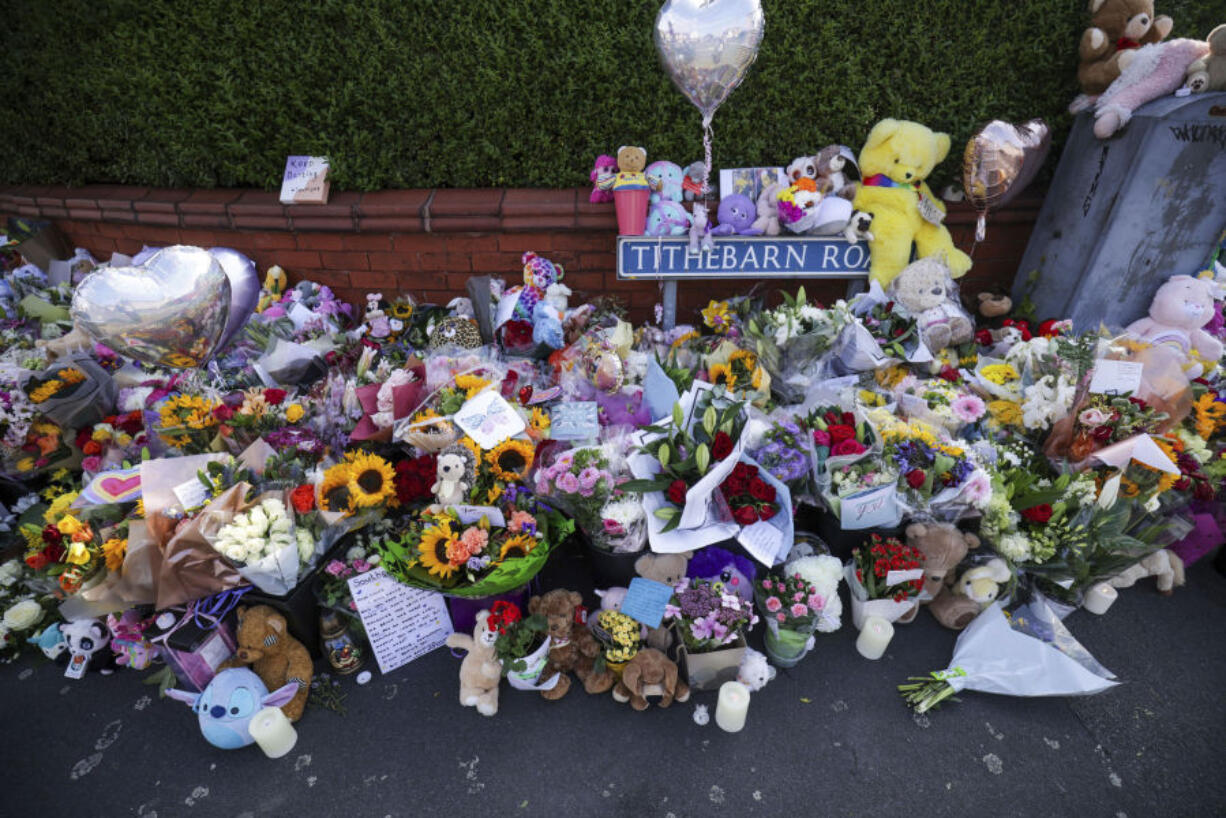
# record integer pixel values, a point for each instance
(24, 614)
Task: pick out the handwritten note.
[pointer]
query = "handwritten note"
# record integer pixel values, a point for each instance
(574, 421)
(1116, 377)
(402, 623)
(875, 508)
(305, 180)
(645, 600)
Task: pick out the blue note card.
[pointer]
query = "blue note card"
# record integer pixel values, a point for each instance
(577, 420)
(645, 601)
(659, 391)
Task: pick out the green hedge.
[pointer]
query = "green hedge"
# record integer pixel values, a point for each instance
(474, 93)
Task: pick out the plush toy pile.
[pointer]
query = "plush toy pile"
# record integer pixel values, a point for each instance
(747, 464)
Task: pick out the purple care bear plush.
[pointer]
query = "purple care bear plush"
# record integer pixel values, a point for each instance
(736, 217)
(539, 274)
(717, 565)
(664, 178)
(604, 169)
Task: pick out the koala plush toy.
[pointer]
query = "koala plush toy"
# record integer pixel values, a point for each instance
(923, 288)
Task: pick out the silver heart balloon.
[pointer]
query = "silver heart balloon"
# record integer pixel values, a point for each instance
(244, 290)
(168, 312)
(707, 46)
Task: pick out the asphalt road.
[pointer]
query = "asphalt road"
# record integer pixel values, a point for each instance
(830, 737)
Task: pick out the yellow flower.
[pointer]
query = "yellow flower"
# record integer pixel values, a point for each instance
(715, 316)
(1000, 374)
(114, 549)
(511, 459)
(471, 384)
(294, 412)
(78, 554)
(46, 391)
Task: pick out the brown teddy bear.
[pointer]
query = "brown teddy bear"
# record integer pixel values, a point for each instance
(276, 657)
(480, 672)
(650, 673)
(670, 570)
(1207, 73)
(943, 547)
(1118, 28)
(573, 647)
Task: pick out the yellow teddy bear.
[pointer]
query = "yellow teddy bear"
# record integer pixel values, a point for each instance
(896, 159)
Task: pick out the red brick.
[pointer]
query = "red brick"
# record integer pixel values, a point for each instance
(343, 223)
(471, 244)
(520, 242)
(523, 203)
(318, 241)
(206, 220)
(369, 224)
(465, 202)
(465, 224)
(417, 243)
(373, 241)
(374, 280)
(394, 262)
(352, 261)
(299, 258)
(82, 213)
(392, 204)
(278, 223)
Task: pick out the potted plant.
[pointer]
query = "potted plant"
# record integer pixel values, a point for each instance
(885, 580)
(709, 626)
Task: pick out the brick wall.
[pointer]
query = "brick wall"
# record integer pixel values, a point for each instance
(427, 242)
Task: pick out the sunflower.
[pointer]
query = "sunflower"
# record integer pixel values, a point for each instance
(511, 459)
(721, 375)
(520, 545)
(334, 490)
(371, 479)
(432, 550)
(471, 384)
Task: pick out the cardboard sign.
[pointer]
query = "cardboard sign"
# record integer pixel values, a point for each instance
(402, 623)
(574, 421)
(645, 601)
(305, 180)
(1116, 377)
(489, 420)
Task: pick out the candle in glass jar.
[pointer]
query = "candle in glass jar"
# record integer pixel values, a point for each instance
(732, 706)
(874, 637)
(1099, 598)
(272, 731)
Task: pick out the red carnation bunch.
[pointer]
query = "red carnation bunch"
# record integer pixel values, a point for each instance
(749, 496)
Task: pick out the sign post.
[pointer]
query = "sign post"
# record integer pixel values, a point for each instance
(669, 260)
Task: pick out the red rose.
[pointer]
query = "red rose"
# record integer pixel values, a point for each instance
(766, 512)
(983, 337)
(840, 432)
(761, 490)
(745, 515)
(303, 498)
(1038, 514)
(721, 446)
(223, 412)
(916, 478)
(275, 396)
(845, 447)
(676, 492)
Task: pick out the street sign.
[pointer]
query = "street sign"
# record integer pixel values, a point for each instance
(655, 257)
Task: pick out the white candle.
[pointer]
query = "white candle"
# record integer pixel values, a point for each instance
(273, 732)
(1099, 598)
(732, 706)
(874, 637)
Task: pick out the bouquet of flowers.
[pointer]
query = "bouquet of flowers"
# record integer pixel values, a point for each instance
(884, 579)
(792, 338)
(707, 618)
